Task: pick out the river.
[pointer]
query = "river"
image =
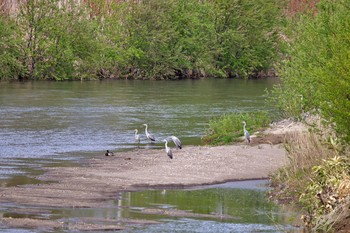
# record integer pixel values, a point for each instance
(71, 120)
(59, 123)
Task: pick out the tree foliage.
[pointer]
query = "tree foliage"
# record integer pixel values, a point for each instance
(144, 39)
(59, 41)
(316, 75)
(9, 50)
(209, 38)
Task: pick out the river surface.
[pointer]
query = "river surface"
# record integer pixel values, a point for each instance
(45, 121)
(59, 123)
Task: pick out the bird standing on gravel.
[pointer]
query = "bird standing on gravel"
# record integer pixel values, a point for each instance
(167, 149)
(177, 142)
(246, 133)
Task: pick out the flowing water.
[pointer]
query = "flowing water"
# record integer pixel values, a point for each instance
(59, 123)
(66, 121)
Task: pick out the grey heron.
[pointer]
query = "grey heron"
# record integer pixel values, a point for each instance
(167, 149)
(246, 133)
(109, 153)
(177, 142)
(137, 136)
(149, 136)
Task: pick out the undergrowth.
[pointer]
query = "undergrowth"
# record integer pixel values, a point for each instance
(229, 127)
(317, 178)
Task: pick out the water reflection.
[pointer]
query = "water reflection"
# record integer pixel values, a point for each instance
(208, 209)
(247, 205)
(18, 171)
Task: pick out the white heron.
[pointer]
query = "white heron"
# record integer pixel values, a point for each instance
(167, 149)
(177, 142)
(109, 153)
(246, 133)
(137, 136)
(149, 136)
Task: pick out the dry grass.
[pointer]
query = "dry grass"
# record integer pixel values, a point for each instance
(307, 149)
(316, 177)
(344, 187)
(304, 150)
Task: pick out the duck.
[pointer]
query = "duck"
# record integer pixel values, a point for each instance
(109, 153)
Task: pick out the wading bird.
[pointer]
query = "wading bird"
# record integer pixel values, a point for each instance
(177, 142)
(137, 136)
(167, 149)
(246, 133)
(149, 136)
(109, 153)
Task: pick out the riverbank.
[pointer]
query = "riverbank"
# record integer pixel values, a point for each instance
(98, 180)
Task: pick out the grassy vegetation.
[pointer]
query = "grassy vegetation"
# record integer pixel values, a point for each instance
(317, 179)
(315, 82)
(327, 193)
(315, 75)
(305, 150)
(229, 128)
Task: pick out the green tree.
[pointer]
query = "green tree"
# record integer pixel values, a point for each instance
(145, 39)
(10, 42)
(150, 37)
(190, 38)
(316, 76)
(61, 40)
(246, 35)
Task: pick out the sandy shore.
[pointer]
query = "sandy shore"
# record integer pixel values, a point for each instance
(100, 178)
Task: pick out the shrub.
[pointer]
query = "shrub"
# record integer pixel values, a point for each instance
(11, 67)
(229, 128)
(315, 74)
(328, 189)
(317, 178)
(61, 42)
(223, 38)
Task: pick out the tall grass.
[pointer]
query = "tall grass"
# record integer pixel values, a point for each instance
(327, 190)
(229, 127)
(317, 178)
(304, 150)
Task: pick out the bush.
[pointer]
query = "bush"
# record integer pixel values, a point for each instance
(304, 150)
(315, 75)
(148, 39)
(11, 67)
(229, 128)
(220, 38)
(61, 42)
(316, 178)
(327, 190)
